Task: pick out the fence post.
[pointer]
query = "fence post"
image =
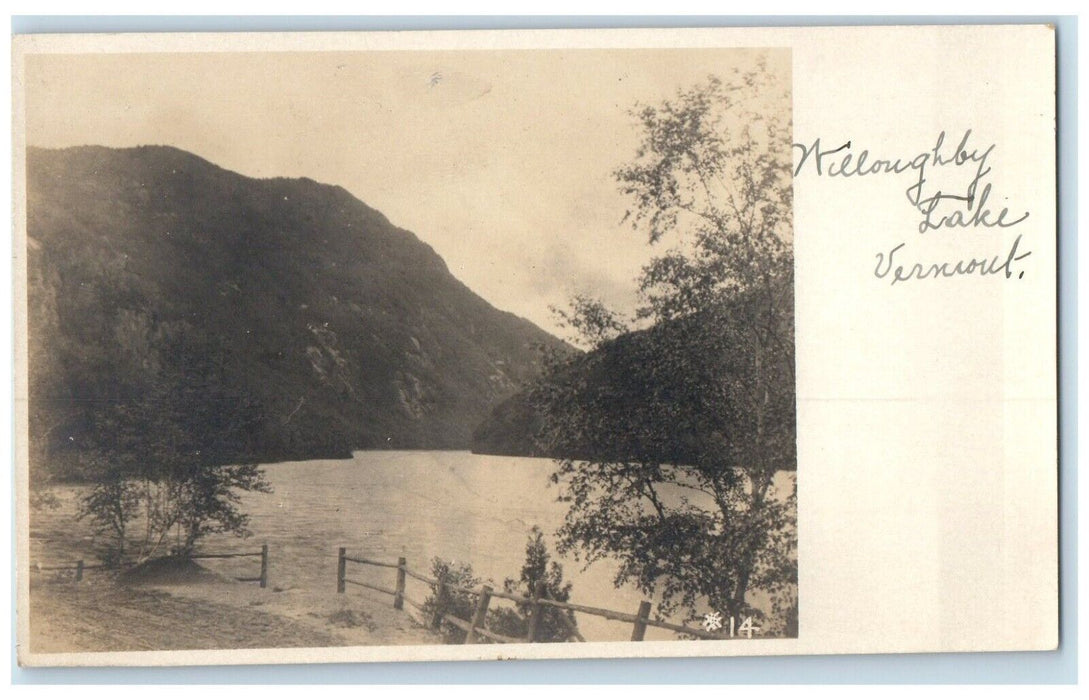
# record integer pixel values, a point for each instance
(341, 563)
(640, 628)
(440, 601)
(79, 571)
(535, 611)
(264, 565)
(399, 596)
(480, 614)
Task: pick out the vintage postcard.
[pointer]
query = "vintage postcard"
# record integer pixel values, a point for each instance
(535, 344)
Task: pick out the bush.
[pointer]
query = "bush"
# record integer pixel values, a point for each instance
(555, 626)
(451, 602)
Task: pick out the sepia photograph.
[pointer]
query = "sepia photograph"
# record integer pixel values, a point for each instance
(409, 348)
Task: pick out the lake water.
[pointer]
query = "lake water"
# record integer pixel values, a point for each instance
(454, 505)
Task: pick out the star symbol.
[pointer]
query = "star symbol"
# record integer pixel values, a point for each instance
(712, 621)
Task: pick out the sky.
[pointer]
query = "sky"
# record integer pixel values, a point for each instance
(502, 161)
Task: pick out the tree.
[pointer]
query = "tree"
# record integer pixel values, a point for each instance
(670, 437)
(555, 625)
(162, 454)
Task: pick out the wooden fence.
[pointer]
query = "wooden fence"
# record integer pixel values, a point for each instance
(79, 567)
(262, 579)
(475, 628)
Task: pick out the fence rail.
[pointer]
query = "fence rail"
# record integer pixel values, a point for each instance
(80, 566)
(475, 628)
(261, 579)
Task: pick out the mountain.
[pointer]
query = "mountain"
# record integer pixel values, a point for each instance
(347, 331)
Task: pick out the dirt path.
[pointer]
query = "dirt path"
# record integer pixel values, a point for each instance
(102, 615)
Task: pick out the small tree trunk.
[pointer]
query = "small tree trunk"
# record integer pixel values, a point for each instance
(737, 600)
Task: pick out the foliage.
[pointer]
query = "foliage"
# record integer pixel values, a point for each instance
(556, 625)
(670, 438)
(449, 601)
(158, 454)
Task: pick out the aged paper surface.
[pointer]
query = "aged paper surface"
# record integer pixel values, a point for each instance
(922, 167)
